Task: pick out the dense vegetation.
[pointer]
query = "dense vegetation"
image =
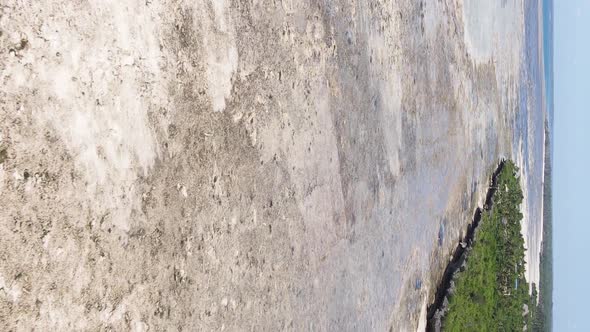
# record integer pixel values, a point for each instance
(491, 292)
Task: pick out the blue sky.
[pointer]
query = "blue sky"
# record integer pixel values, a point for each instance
(571, 165)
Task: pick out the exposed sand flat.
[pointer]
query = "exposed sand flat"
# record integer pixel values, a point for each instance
(242, 165)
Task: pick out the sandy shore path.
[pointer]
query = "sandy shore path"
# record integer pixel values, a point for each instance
(240, 165)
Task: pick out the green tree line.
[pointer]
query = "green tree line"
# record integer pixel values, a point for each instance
(491, 292)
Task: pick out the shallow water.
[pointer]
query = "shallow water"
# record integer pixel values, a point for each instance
(492, 34)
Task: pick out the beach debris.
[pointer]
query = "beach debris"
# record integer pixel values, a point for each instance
(182, 189)
(418, 284)
(3, 155)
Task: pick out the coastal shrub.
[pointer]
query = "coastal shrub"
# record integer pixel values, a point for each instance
(492, 293)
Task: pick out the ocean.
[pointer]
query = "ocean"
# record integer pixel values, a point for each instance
(529, 131)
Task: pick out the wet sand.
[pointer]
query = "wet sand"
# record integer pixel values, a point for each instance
(252, 165)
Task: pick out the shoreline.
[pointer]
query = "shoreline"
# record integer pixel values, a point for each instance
(532, 229)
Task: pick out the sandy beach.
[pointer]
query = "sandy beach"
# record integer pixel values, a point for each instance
(246, 165)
